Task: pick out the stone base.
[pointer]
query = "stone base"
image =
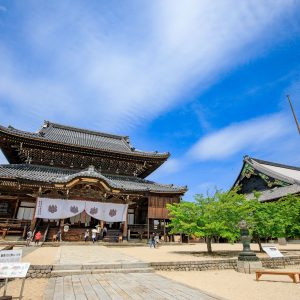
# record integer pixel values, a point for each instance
(248, 266)
(282, 241)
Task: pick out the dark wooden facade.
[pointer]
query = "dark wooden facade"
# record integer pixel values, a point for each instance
(63, 162)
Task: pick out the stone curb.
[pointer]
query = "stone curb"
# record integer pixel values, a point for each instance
(46, 271)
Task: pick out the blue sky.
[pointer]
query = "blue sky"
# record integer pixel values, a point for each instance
(204, 80)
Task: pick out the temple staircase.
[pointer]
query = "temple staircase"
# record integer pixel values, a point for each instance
(66, 270)
(112, 235)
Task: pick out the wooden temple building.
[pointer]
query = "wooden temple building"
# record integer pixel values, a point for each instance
(64, 175)
(272, 180)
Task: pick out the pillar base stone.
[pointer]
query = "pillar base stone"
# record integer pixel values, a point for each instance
(248, 267)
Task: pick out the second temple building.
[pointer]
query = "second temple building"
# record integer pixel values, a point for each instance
(75, 179)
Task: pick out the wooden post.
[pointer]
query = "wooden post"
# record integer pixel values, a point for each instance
(16, 208)
(61, 227)
(148, 228)
(33, 221)
(165, 236)
(125, 226)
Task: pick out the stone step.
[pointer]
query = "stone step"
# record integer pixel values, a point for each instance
(62, 273)
(137, 265)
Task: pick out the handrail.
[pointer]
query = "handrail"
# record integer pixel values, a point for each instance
(36, 226)
(46, 233)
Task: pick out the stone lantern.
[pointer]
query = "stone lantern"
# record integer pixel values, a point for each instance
(247, 262)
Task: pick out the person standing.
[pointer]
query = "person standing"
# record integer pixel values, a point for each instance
(104, 232)
(58, 235)
(28, 237)
(86, 235)
(156, 240)
(37, 238)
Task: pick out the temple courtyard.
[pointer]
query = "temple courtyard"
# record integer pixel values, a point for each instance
(125, 272)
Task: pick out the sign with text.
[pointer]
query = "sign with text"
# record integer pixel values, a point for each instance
(10, 256)
(13, 270)
(272, 251)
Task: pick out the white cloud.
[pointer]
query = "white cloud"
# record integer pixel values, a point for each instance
(251, 135)
(113, 68)
(172, 165)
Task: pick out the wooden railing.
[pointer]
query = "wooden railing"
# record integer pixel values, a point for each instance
(9, 222)
(144, 227)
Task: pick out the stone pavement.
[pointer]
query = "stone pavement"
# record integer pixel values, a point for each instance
(120, 286)
(91, 255)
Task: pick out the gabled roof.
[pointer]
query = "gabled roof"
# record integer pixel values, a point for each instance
(285, 173)
(52, 175)
(78, 137)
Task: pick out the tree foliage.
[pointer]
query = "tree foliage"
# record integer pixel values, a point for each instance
(218, 216)
(209, 217)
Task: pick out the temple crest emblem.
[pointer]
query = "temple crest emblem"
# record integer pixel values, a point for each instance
(112, 212)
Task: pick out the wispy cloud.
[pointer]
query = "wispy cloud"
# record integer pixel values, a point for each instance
(113, 67)
(241, 137)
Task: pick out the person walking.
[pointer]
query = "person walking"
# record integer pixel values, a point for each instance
(28, 238)
(37, 238)
(86, 235)
(152, 240)
(94, 234)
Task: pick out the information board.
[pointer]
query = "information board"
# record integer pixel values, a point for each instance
(272, 251)
(13, 270)
(10, 256)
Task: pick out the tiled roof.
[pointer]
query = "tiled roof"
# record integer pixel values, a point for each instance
(61, 134)
(288, 174)
(58, 175)
(276, 193)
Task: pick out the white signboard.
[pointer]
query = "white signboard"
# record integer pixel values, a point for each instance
(10, 256)
(13, 270)
(272, 251)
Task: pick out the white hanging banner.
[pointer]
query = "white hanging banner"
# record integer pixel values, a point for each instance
(49, 208)
(94, 209)
(72, 208)
(113, 212)
(61, 209)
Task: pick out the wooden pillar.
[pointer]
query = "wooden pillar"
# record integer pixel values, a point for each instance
(33, 221)
(165, 236)
(16, 208)
(125, 228)
(148, 229)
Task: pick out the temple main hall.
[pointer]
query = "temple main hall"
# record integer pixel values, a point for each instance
(74, 179)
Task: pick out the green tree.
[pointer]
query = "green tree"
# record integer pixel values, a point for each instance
(274, 219)
(209, 217)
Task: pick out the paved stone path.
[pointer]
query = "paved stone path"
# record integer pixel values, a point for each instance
(120, 286)
(92, 255)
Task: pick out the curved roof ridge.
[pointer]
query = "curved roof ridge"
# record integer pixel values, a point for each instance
(123, 147)
(54, 175)
(270, 163)
(258, 166)
(48, 124)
